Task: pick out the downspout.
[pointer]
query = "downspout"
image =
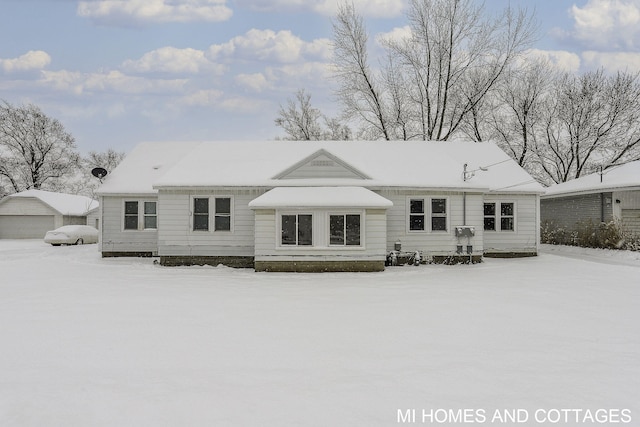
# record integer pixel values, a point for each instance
(464, 197)
(464, 208)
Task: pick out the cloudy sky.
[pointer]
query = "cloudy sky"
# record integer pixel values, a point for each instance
(117, 72)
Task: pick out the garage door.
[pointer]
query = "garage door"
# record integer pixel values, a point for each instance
(25, 226)
(631, 220)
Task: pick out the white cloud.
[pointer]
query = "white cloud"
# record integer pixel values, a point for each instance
(397, 34)
(612, 61)
(128, 12)
(109, 82)
(257, 82)
(268, 45)
(371, 8)
(202, 98)
(560, 59)
(607, 24)
(32, 60)
(312, 72)
(173, 60)
(243, 105)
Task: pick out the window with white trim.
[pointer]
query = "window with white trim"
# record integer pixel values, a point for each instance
(150, 216)
(416, 214)
(139, 215)
(507, 217)
(296, 230)
(499, 214)
(438, 214)
(489, 216)
(130, 215)
(216, 212)
(222, 216)
(432, 211)
(200, 214)
(344, 230)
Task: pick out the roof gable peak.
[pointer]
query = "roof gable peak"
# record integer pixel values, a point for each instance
(321, 164)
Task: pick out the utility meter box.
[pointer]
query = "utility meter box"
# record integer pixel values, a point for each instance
(465, 231)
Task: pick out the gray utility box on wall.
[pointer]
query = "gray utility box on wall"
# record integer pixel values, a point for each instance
(465, 231)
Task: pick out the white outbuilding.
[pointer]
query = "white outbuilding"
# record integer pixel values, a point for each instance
(30, 214)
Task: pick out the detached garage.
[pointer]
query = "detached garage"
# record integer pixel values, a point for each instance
(30, 214)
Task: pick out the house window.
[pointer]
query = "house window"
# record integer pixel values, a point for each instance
(130, 215)
(200, 214)
(344, 230)
(506, 217)
(490, 216)
(297, 230)
(499, 216)
(222, 220)
(416, 214)
(439, 214)
(150, 215)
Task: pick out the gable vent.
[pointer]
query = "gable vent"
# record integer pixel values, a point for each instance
(322, 163)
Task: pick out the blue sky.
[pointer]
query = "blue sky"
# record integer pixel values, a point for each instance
(118, 72)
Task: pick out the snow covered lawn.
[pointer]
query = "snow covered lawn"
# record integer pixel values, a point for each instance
(87, 341)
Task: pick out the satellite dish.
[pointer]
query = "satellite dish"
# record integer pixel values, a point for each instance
(99, 172)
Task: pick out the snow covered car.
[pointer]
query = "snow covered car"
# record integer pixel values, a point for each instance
(72, 235)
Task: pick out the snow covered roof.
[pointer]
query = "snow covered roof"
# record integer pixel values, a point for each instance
(65, 204)
(143, 166)
(311, 197)
(626, 176)
(372, 164)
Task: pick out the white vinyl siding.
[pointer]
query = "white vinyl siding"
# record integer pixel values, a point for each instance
(432, 242)
(524, 237)
(321, 166)
(114, 238)
(175, 224)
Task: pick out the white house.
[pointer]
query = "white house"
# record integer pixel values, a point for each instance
(613, 195)
(30, 214)
(318, 206)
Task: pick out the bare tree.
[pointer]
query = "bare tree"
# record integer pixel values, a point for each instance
(83, 182)
(303, 122)
(456, 55)
(108, 159)
(592, 122)
(359, 90)
(35, 150)
(299, 119)
(518, 112)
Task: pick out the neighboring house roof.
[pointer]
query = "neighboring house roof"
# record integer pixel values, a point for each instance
(408, 164)
(312, 197)
(65, 204)
(624, 177)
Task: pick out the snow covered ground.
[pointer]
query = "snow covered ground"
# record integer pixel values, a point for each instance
(86, 341)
